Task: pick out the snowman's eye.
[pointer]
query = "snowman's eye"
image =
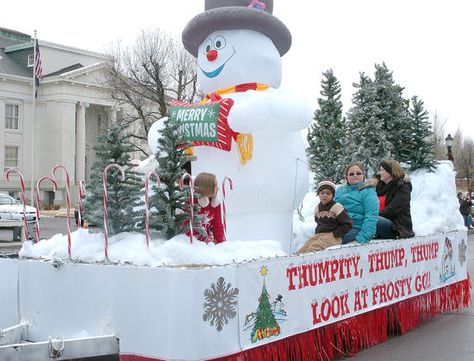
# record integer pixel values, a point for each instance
(207, 46)
(219, 42)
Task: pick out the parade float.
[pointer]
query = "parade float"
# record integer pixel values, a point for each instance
(87, 294)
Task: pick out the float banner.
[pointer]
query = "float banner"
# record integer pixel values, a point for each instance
(204, 124)
(287, 296)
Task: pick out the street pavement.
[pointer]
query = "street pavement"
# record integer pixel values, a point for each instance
(49, 226)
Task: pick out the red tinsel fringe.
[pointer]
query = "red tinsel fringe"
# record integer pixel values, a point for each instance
(349, 336)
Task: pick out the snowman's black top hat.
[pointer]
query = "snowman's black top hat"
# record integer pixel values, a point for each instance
(233, 15)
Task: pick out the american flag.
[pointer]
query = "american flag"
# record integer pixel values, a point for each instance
(38, 68)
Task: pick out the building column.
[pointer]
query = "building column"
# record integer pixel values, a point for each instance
(111, 116)
(81, 142)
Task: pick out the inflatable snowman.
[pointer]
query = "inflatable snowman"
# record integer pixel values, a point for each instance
(254, 137)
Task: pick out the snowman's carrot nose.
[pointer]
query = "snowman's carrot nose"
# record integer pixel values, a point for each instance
(212, 55)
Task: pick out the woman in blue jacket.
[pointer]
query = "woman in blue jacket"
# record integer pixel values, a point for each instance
(362, 205)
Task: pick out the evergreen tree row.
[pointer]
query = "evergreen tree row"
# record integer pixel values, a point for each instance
(170, 205)
(382, 124)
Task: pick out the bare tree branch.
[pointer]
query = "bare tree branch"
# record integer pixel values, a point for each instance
(437, 127)
(463, 149)
(145, 77)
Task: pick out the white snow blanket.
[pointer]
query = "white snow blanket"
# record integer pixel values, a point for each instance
(434, 205)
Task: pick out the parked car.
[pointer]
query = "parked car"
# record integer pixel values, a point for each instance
(11, 209)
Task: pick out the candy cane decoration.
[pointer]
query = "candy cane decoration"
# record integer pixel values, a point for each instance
(224, 213)
(82, 192)
(147, 219)
(68, 204)
(23, 198)
(191, 191)
(55, 188)
(104, 184)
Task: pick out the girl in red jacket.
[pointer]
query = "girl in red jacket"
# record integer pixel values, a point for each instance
(206, 187)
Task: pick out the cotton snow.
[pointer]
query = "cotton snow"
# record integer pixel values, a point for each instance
(434, 208)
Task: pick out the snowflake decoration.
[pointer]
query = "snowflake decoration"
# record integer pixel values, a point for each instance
(206, 222)
(173, 113)
(212, 113)
(462, 252)
(220, 303)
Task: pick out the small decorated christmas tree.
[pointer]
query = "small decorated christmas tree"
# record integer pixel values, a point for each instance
(124, 199)
(265, 323)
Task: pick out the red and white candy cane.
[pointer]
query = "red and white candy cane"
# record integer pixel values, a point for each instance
(224, 213)
(104, 184)
(68, 204)
(23, 198)
(82, 192)
(191, 199)
(55, 188)
(147, 219)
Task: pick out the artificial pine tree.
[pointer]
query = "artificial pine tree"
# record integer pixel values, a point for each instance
(365, 139)
(392, 112)
(171, 216)
(124, 199)
(265, 323)
(420, 149)
(325, 136)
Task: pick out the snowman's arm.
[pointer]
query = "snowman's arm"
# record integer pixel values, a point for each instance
(154, 133)
(270, 111)
(250, 114)
(289, 113)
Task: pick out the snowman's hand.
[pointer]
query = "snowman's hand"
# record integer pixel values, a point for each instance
(250, 114)
(154, 133)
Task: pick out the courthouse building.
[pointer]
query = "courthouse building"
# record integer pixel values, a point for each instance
(61, 128)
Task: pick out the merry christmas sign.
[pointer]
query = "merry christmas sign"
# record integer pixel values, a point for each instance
(204, 124)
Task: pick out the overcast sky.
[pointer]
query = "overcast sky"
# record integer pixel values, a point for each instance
(427, 44)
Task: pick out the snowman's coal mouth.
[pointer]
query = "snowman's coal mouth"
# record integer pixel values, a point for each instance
(216, 72)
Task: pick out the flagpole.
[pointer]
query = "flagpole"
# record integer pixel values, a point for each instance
(32, 155)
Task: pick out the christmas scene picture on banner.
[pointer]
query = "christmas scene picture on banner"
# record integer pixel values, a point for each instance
(322, 288)
(265, 321)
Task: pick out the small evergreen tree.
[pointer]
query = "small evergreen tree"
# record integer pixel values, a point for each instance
(420, 149)
(124, 199)
(392, 112)
(326, 134)
(172, 204)
(365, 139)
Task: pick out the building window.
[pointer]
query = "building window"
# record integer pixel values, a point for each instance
(12, 115)
(11, 157)
(31, 60)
